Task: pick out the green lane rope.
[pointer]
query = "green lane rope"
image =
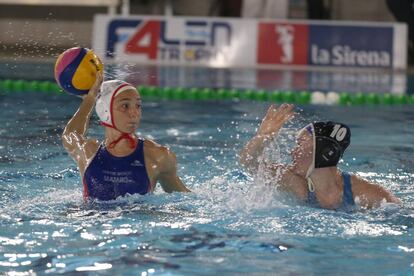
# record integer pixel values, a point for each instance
(173, 93)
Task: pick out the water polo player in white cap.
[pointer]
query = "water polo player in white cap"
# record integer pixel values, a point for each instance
(313, 175)
(123, 163)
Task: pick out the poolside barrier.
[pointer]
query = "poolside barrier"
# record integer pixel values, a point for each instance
(295, 97)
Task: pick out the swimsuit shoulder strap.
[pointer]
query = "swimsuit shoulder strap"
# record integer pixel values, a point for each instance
(139, 151)
(348, 197)
(140, 146)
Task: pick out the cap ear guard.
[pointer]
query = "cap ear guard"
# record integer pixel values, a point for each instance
(329, 154)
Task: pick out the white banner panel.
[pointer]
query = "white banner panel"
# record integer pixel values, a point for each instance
(211, 42)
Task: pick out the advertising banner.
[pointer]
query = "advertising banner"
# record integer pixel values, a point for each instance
(176, 40)
(222, 42)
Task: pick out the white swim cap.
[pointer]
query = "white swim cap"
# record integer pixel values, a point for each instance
(104, 102)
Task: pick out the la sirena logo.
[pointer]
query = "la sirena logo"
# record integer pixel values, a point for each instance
(282, 43)
(149, 38)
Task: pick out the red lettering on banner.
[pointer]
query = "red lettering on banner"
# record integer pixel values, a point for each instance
(280, 43)
(152, 29)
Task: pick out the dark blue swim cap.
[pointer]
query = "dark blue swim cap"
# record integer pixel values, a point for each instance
(331, 141)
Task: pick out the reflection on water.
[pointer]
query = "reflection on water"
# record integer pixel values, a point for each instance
(171, 76)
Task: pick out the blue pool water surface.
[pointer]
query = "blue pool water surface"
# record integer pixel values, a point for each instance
(231, 223)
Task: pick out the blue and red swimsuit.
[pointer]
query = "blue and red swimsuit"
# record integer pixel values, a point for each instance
(108, 177)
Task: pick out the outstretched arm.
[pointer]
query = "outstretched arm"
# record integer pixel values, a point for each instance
(74, 135)
(170, 182)
(370, 195)
(270, 126)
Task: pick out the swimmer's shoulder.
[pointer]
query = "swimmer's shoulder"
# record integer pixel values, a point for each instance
(91, 147)
(159, 160)
(158, 153)
(151, 145)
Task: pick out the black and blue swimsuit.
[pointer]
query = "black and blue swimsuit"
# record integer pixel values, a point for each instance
(347, 203)
(108, 177)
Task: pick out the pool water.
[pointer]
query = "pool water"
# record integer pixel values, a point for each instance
(230, 224)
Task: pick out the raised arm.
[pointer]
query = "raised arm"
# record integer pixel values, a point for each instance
(270, 126)
(74, 136)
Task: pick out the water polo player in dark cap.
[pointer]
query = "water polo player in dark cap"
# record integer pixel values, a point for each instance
(313, 175)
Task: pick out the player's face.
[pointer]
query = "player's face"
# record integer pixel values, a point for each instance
(127, 111)
(302, 153)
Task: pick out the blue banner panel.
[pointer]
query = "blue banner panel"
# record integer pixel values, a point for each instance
(350, 46)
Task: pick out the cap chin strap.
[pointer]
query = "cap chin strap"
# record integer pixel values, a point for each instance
(132, 141)
(311, 186)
